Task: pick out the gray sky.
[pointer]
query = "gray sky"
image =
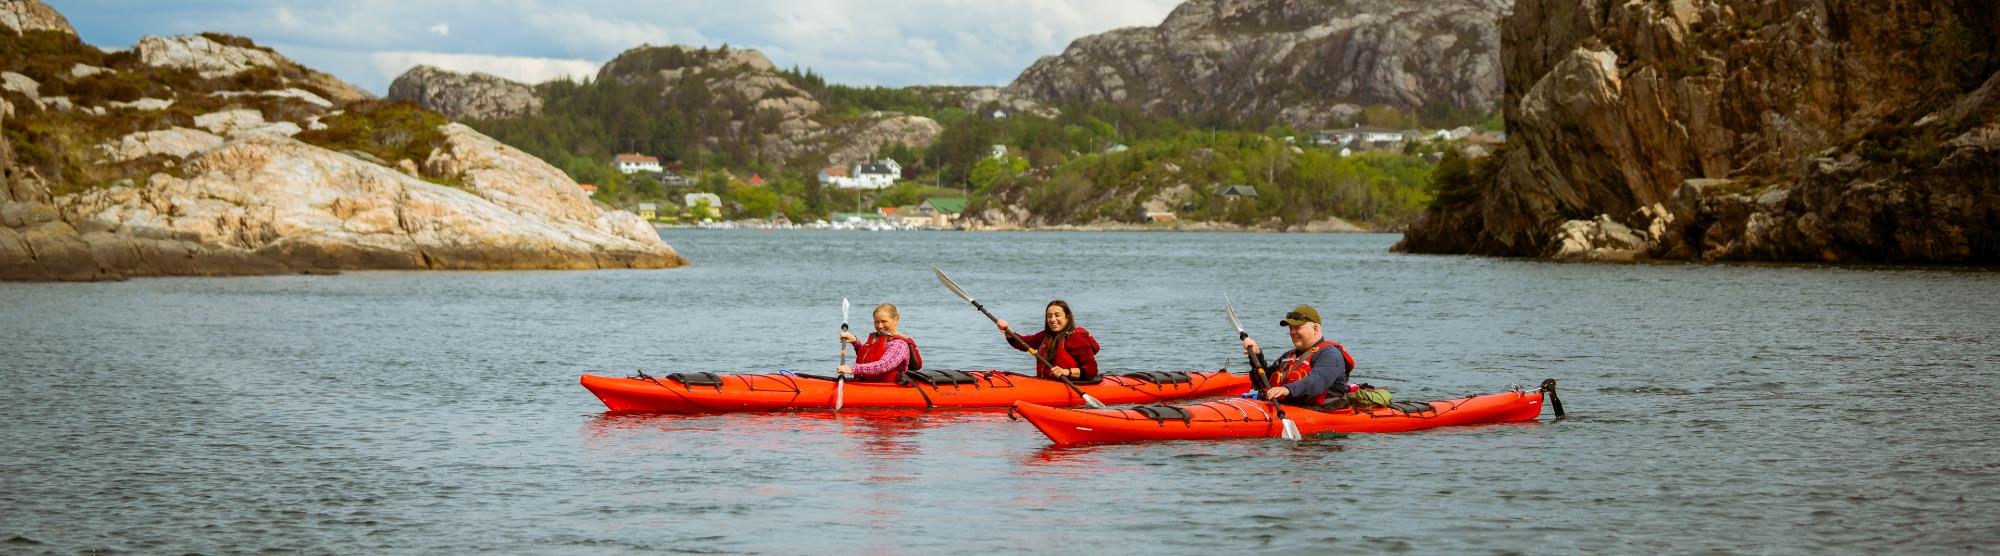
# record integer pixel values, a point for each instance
(857, 42)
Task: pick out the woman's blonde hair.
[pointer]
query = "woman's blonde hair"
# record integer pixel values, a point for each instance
(891, 308)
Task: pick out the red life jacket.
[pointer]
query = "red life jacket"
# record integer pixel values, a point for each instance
(1060, 354)
(1300, 365)
(878, 344)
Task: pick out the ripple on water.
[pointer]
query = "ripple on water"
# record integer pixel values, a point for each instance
(439, 412)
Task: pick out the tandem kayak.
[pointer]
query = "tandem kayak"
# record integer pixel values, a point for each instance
(1237, 417)
(716, 393)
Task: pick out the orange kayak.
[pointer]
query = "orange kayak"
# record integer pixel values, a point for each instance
(717, 393)
(1237, 417)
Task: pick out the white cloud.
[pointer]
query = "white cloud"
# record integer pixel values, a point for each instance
(516, 68)
(442, 29)
(578, 32)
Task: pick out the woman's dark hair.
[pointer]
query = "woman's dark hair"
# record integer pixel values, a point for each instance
(1069, 324)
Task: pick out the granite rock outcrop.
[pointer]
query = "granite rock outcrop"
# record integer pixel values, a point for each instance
(1742, 130)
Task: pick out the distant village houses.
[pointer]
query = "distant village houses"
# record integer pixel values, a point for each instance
(1232, 192)
(632, 163)
(941, 212)
(868, 175)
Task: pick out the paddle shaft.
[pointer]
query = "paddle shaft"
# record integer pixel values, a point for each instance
(1259, 371)
(1031, 349)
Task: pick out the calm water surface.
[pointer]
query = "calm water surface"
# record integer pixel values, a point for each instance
(1713, 408)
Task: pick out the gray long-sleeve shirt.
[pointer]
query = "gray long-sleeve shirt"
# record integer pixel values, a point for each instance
(1329, 373)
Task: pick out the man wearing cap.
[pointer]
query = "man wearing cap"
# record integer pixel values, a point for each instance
(1309, 371)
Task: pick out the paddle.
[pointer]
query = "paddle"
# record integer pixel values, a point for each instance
(1290, 430)
(840, 379)
(960, 292)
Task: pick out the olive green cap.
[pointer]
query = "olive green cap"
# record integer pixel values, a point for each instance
(1300, 315)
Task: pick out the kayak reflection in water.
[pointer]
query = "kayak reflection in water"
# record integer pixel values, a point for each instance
(1304, 375)
(1069, 347)
(886, 354)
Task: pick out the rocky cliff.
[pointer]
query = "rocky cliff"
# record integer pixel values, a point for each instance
(1792, 130)
(208, 155)
(31, 15)
(1308, 62)
(460, 96)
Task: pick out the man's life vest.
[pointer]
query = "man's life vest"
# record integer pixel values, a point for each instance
(1300, 365)
(878, 344)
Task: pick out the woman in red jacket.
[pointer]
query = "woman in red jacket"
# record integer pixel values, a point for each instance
(1061, 342)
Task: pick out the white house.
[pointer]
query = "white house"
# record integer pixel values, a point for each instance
(634, 162)
(868, 175)
(876, 175)
(1358, 134)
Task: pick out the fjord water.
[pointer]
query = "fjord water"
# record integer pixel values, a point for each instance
(1770, 409)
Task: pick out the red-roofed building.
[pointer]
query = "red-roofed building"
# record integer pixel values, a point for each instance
(588, 189)
(756, 180)
(634, 162)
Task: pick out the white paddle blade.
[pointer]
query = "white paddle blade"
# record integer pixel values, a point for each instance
(1092, 402)
(950, 285)
(843, 310)
(1231, 309)
(1291, 431)
(839, 391)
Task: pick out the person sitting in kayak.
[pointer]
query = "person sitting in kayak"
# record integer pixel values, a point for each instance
(886, 354)
(1062, 342)
(1310, 370)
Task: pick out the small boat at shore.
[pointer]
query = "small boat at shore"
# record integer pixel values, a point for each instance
(1240, 418)
(720, 393)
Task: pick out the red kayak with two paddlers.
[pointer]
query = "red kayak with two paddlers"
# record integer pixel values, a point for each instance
(718, 393)
(1241, 418)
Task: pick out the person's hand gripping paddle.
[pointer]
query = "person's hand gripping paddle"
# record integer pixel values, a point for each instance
(1289, 430)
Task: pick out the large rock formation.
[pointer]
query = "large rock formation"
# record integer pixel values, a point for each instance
(265, 203)
(110, 188)
(1727, 129)
(211, 59)
(205, 56)
(460, 96)
(31, 15)
(1312, 63)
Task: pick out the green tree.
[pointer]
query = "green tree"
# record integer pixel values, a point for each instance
(990, 170)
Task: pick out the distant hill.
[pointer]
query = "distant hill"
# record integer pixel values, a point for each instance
(729, 107)
(1307, 63)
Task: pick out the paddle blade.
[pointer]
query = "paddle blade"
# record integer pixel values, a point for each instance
(1231, 309)
(950, 285)
(1291, 431)
(843, 313)
(1092, 402)
(839, 391)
